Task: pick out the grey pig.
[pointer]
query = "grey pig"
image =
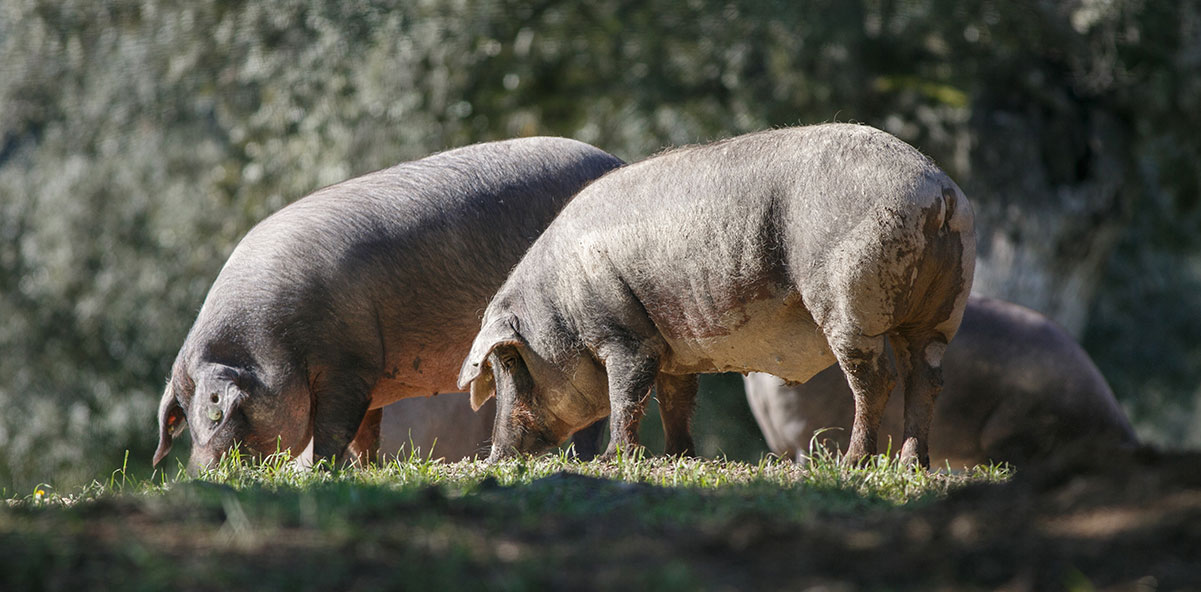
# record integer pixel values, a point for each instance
(781, 251)
(361, 294)
(1018, 389)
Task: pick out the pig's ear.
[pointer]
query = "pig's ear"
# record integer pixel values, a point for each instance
(170, 423)
(482, 389)
(475, 371)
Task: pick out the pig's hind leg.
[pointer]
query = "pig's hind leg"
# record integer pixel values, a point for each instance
(920, 362)
(677, 400)
(871, 377)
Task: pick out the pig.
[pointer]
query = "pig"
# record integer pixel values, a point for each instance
(361, 294)
(782, 251)
(447, 428)
(1018, 389)
(441, 428)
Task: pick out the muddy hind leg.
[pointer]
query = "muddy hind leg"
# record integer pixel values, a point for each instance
(871, 377)
(677, 399)
(364, 448)
(920, 365)
(631, 375)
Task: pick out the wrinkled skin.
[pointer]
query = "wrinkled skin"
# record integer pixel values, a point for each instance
(1018, 389)
(359, 295)
(782, 251)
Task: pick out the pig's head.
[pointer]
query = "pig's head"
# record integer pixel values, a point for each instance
(539, 403)
(224, 406)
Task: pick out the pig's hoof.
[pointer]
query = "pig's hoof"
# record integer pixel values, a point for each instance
(910, 460)
(912, 453)
(629, 452)
(855, 456)
(855, 461)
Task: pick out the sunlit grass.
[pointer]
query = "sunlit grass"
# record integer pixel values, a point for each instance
(522, 523)
(882, 480)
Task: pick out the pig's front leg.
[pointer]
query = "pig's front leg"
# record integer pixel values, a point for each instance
(631, 375)
(340, 401)
(364, 449)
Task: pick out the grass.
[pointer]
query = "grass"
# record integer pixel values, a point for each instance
(882, 481)
(518, 524)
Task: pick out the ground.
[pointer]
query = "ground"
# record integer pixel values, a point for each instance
(1128, 521)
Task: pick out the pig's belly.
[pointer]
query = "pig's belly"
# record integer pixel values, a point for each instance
(417, 373)
(765, 336)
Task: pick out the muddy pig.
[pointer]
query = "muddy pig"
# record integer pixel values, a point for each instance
(361, 294)
(1018, 389)
(781, 251)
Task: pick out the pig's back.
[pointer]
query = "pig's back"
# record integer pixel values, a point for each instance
(407, 255)
(707, 238)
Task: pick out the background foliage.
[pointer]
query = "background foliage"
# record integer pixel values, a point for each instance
(140, 140)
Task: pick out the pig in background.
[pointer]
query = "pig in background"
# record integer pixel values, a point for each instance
(446, 428)
(780, 251)
(361, 294)
(1017, 389)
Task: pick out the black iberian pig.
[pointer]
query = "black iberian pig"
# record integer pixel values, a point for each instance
(1018, 389)
(781, 251)
(361, 294)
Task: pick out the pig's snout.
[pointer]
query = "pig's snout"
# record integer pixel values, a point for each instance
(530, 443)
(201, 460)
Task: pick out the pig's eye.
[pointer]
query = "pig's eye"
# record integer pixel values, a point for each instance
(508, 362)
